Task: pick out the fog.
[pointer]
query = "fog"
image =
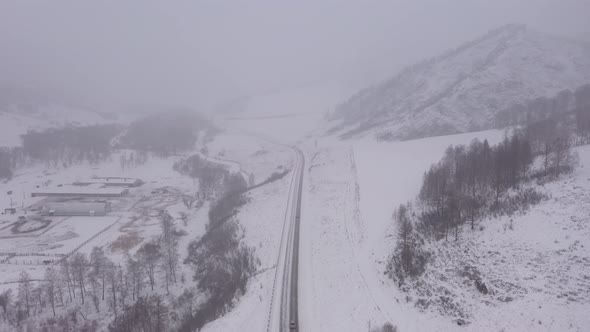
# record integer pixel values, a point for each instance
(200, 53)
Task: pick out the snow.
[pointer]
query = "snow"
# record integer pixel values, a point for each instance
(66, 234)
(248, 154)
(463, 89)
(542, 266)
(342, 248)
(350, 191)
(62, 236)
(341, 287)
(288, 115)
(391, 173)
(134, 217)
(262, 219)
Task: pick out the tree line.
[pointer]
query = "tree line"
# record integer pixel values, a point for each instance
(59, 146)
(70, 144)
(221, 261)
(209, 175)
(216, 182)
(575, 105)
(6, 163)
(164, 134)
(479, 180)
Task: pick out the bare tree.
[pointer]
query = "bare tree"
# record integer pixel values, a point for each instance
(123, 287)
(582, 96)
(404, 233)
(148, 256)
(159, 313)
(25, 288)
(113, 280)
(169, 243)
(67, 277)
(547, 157)
(146, 314)
(5, 302)
(135, 277)
(165, 271)
(37, 296)
(52, 281)
(562, 157)
(95, 284)
(80, 268)
(98, 261)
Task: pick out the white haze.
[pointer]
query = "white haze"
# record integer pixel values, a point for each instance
(199, 53)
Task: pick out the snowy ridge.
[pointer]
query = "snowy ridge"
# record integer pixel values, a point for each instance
(463, 89)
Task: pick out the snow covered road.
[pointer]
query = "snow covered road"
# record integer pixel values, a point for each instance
(284, 304)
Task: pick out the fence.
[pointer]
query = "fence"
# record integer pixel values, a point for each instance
(8, 256)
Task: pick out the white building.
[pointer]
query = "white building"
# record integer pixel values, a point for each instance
(76, 208)
(81, 191)
(111, 182)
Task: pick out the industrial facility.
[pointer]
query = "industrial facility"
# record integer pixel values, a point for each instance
(76, 208)
(91, 197)
(81, 191)
(111, 182)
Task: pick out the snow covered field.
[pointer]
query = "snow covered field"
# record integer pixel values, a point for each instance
(390, 174)
(65, 234)
(540, 270)
(60, 237)
(135, 216)
(290, 115)
(537, 265)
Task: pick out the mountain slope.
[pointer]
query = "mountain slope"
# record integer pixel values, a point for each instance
(463, 89)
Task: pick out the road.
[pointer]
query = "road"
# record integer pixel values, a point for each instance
(286, 314)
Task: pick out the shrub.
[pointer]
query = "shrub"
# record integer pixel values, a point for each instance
(387, 327)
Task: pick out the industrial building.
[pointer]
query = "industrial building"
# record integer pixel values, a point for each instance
(111, 182)
(76, 208)
(81, 191)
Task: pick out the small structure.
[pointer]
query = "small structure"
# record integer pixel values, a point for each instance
(111, 182)
(81, 191)
(10, 210)
(76, 208)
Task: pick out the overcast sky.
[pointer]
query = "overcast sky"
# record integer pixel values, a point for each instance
(196, 53)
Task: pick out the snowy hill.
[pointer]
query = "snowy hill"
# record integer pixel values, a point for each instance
(22, 110)
(536, 270)
(463, 89)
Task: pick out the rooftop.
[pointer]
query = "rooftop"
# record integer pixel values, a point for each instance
(82, 190)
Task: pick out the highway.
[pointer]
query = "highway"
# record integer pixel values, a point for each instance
(284, 314)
